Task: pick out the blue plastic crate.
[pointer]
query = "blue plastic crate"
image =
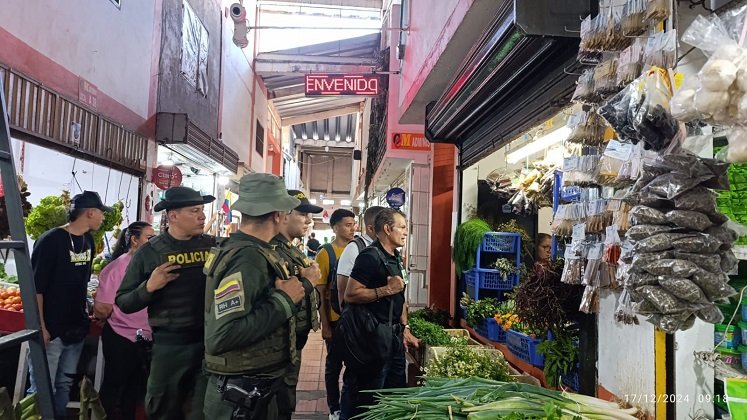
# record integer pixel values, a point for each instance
(524, 347)
(571, 379)
(501, 242)
(495, 280)
(482, 329)
(469, 277)
(495, 332)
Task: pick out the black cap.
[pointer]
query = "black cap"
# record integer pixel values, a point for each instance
(179, 197)
(88, 200)
(306, 206)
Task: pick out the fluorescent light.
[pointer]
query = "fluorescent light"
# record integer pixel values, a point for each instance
(223, 180)
(312, 201)
(328, 202)
(345, 202)
(361, 204)
(539, 144)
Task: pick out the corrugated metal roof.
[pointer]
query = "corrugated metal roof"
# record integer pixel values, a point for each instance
(333, 132)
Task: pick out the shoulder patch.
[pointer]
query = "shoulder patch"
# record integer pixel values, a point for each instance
(209, 260)
(229, 296)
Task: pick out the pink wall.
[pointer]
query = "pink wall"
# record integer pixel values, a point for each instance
(431, 28)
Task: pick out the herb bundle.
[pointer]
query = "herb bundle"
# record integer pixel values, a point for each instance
(467, 240)
(542, 301)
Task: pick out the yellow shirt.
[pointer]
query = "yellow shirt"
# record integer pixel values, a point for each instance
(323, 260)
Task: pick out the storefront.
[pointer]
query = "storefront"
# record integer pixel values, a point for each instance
(537, 147)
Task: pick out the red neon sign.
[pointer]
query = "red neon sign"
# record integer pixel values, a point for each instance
(342, 84)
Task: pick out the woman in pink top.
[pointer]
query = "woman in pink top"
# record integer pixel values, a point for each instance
(125, 359)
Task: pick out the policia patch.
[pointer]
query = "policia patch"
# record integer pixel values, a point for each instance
(188, 258)
(229, 296)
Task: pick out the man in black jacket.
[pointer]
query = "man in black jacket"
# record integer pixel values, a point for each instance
(312, 245)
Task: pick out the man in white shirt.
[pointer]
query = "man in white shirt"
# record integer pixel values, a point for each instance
(348, 256)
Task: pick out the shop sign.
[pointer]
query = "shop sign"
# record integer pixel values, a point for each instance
(395, 198)
(88, 93)
(327, 84)
(409, 141)
(166, 177)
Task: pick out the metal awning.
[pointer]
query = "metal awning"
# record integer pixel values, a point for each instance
(187, 139)
(330, 132)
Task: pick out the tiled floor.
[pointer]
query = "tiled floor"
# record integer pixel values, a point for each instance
(311, 397)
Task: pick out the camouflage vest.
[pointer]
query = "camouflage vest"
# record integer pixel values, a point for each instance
(178, 306)
(307, 317)
(270, 353)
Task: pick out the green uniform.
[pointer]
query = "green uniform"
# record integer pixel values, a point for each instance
(250, 328)
(176, 383)
(306, 319)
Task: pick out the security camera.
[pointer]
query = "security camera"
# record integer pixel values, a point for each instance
(238, 15)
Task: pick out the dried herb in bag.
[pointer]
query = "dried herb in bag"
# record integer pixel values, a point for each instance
(689, 219)
(683, 289)
(642, 215)
(714, 286)
(709, 262)
(664, 301)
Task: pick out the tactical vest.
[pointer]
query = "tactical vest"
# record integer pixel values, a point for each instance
(178, 306)
(307, 317)
(272, 352)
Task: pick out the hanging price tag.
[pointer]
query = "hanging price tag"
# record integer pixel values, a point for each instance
(579, 232)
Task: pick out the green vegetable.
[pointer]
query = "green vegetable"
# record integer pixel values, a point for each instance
(463, 361)
(428, 332)
(506, 266)
(467, 240)
(481, 310)
(112, 220)
(434, 315)
(560, 355)
(51, 212)
(478, 399)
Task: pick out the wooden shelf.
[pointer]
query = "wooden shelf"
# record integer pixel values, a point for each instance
(514, 361)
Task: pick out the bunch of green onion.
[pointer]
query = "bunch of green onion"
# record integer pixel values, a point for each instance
(483, 399)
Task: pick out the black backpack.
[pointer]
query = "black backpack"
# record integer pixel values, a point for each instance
(332, 276)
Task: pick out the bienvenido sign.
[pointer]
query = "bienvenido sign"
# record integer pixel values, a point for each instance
(342, 84)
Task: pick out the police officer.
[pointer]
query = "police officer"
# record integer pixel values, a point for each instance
(166, 276)
(296, 225)
(251, 303)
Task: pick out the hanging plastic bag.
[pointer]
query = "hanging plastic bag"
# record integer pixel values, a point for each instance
(634, 18)
(737, 137)
(657, 10)
(584, 92)
(652, 120)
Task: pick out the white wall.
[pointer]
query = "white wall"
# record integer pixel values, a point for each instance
(110, 47)
(238, 87)
(44, 179)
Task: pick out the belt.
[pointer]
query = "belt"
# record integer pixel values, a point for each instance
(178, 338)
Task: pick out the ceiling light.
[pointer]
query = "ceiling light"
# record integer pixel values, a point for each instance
(345, 202)
(361, 204)
(223, 180)
(312, 200)
(328, 202)
(539, 144)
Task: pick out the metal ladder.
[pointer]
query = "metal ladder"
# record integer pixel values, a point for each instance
(18, 243)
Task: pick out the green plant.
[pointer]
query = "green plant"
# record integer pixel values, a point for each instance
(560, 354)
(480, 310)
(112, 220)
(463, 361)
(51, 212)
(432, 314)
(429, 333)
(526, 240)
(467, 240)
(506, 266)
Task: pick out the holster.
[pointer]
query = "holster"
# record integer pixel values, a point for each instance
(247, 393)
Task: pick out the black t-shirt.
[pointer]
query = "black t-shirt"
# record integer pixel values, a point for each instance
(62, 270)
(313, 245)
(369, 270)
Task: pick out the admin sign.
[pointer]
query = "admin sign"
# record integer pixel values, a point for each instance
(410, 141)
(342, 84)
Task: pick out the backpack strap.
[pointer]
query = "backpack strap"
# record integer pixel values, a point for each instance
(391, 272)
(332, 262)
(360, 243)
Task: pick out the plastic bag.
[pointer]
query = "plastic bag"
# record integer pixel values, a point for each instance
(671, 323)
(682, 289)
(689, 219)
(711, 314)
(615, 112)
(670, 186)
(614, 38)
(660, 50)
(642, 259)
(634, 18)
(698, 199)
(696, 243)
(630, 63)
(584, 92)
(682, 105)
(642, 215)
(652, 120)
(714, 286)
(605, 77)
(639, 232)
(724, 234)
(708, 34)
(665, 241)
(685, 163)
(645, 307)
(611, 162)
(641, 279)
(664, 301)
(657, 10)
(728, 261)
(709, 262)
(624, 312)
(590, 300)
(587, 128)
(737, 145)
(672, 268)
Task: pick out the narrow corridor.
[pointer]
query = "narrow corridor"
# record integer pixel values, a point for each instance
(311, 399)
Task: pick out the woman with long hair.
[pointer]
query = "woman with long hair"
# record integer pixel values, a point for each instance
(125, 368)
